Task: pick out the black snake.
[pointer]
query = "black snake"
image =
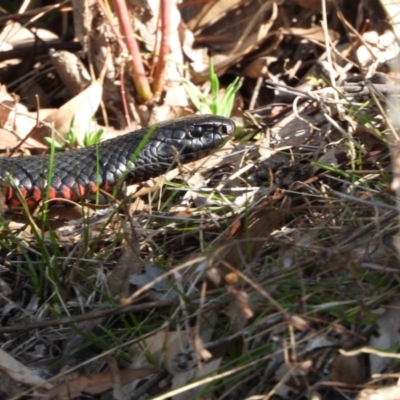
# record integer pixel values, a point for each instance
(133, 156)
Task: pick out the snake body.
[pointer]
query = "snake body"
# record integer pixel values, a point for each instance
(135, 156)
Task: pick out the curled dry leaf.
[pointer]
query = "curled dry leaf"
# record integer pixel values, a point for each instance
(299, 323)
(201, 351)
(214, 275)
(240, 307)
(78, 112)
(14, 35)
(304, 366)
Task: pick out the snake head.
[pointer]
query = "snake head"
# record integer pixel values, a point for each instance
(192, 137)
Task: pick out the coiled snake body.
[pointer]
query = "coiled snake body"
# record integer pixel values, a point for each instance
(80, 173)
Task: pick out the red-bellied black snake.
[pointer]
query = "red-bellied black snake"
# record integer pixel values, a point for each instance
(82, 172)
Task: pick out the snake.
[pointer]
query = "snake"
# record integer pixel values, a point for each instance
(134, 157)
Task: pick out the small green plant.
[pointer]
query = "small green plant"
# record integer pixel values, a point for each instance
(72, 138)
(92, 138)
(214, 105)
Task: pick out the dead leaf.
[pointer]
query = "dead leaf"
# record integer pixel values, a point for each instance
(94, 383)
(250, 42)
(243, 301)
(78, 113)
(385, 393)
(315, 33)
(182, 378)
(299, 323)
(163, 346)
(211, 12)
(349, 369)
(293, 131)
(9, 141)
(261, 223)
(200, 350)
(19, 372)
(389, 337)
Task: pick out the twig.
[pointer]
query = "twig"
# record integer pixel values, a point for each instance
(89, 316)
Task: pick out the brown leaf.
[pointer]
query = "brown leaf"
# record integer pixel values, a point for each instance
(9, 140)
(201, 351)
(94, 383)
(163, 347)
(211, 11)
(79, 110)
(19, 372)
(349, 369)
(385, 393)
(261, 223)
(315, 33)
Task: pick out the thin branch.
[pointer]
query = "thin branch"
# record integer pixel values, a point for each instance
(85, 317)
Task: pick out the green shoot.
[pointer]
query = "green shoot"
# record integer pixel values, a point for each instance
(215, 105)
(92, 138)
(72, 138)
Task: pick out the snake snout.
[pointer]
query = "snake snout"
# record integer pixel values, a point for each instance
(227, 129)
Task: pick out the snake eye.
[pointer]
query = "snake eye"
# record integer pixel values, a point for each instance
(196, 130)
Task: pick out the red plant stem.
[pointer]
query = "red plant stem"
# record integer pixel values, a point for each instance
(137, 70)
(159, 74)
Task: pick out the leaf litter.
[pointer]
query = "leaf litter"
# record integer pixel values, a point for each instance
(268, 270)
